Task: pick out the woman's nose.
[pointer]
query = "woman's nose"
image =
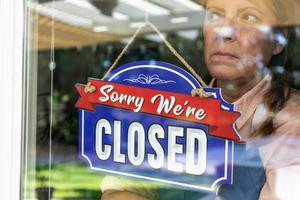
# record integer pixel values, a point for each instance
(226, 33)
(226, 29)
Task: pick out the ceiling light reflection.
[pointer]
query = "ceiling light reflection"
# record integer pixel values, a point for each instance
(144, 5)
(179, 20)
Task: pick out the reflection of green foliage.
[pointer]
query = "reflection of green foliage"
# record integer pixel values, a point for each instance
(70, 181)
(42, 179)
(58, 107)
(64, 123)
(68, 131)
(74, 181)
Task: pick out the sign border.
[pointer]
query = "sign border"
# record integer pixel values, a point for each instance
(163, 65)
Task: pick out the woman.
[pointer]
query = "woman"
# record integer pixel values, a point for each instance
(238, 50)
(242, 37)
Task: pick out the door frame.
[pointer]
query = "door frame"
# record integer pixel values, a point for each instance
(11, 100)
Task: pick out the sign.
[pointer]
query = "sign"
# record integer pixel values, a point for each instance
(141, 121)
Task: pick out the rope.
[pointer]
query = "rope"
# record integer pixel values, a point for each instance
(124, 50)
(52, 67)
(173, 50)
(168, 44)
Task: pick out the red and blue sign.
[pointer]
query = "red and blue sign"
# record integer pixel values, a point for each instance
(141, 121)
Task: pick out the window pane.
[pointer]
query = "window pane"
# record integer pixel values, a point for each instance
(251, 49)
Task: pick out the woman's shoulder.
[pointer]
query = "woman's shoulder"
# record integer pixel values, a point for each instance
(289, 117)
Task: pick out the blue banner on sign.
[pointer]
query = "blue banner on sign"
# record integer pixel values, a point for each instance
(153, 147)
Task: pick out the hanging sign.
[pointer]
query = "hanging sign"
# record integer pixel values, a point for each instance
(142, 121)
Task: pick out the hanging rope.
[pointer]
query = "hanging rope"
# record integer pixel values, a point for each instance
(52, 66)
(124, 50)
(168, 44)
(173, 50)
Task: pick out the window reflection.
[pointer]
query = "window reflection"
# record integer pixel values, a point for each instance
(251, 48)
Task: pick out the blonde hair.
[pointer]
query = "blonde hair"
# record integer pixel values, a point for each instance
(280, 89)
(282, 10)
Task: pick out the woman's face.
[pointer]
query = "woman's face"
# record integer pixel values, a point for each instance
(238, 38)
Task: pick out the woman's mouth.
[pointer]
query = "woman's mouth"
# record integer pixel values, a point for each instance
(223, 56)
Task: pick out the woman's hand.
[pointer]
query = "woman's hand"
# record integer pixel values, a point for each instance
(121, 195)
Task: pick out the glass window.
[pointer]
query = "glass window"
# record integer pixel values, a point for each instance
(247, 48)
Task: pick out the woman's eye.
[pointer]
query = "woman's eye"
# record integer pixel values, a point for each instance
(250, 18)
(213, 16)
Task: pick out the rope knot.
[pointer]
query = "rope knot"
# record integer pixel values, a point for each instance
(201, 93)
(89, 88)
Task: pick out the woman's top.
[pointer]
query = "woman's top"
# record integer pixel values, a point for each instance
(279, 154)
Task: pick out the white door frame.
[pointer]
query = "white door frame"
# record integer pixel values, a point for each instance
(11, 84)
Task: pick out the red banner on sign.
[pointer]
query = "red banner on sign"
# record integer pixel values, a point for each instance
(205, 111)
